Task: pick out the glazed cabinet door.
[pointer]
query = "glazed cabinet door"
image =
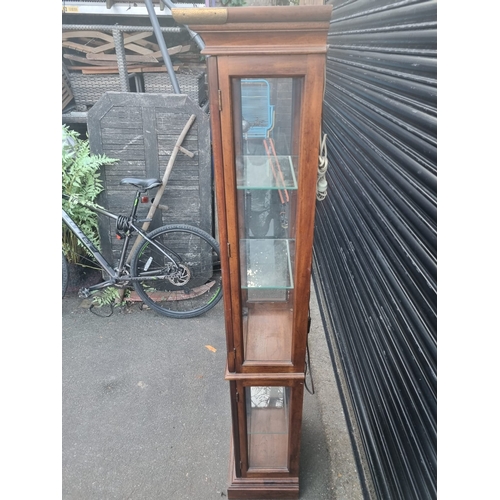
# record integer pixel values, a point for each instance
(267, 140)
(268, 429)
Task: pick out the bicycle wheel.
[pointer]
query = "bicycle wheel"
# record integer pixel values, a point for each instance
(65, 274)
(185, 285)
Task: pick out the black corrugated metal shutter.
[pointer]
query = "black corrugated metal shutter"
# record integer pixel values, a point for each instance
(375, 241)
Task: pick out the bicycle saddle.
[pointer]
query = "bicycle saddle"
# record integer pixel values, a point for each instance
(142, 184)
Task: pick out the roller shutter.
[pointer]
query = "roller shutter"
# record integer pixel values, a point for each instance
(375, 239)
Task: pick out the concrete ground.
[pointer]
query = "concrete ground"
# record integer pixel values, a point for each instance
(146, 410)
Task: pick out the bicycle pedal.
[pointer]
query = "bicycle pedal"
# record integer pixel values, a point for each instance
(83, 293)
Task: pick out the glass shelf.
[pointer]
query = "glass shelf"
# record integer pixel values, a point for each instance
(264, 172)
(267, 264)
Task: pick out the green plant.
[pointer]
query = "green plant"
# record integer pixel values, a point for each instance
(81, 183)
(109, 296)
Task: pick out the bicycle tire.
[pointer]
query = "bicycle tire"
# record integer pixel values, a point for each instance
(65, 274)
(188, 289)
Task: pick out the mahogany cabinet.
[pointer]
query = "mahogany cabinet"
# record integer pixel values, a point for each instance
(266, 71)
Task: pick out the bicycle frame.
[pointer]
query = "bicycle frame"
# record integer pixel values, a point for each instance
(75, 229)
(115, 275)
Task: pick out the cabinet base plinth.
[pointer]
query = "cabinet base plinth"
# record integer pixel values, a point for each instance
(261, 491)
(252, 488)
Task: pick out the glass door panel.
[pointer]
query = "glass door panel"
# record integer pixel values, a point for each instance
(266, 127)
(268, 417)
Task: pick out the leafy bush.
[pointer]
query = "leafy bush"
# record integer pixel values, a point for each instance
(81, 183)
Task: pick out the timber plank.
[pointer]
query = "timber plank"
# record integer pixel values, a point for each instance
(127, 42)
(128, 58)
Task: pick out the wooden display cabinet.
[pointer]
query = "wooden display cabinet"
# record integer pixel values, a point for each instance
(266, 74)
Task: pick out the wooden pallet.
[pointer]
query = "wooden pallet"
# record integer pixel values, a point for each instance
(94, 52)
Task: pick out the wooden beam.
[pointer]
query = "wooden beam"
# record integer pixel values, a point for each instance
(66, 35)
(127, 41)
(128, 58)
(71, 57)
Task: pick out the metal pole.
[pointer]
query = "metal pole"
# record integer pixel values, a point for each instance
(197, 38)
(105, 27)
(120, 58)
(163, 45)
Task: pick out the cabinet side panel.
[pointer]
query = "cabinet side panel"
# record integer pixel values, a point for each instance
(213, 87)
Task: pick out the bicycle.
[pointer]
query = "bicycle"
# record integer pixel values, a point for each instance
(175, 269)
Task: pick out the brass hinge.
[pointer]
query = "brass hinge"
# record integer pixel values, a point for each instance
(237, 397)
(220, 99)
(229, 250)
